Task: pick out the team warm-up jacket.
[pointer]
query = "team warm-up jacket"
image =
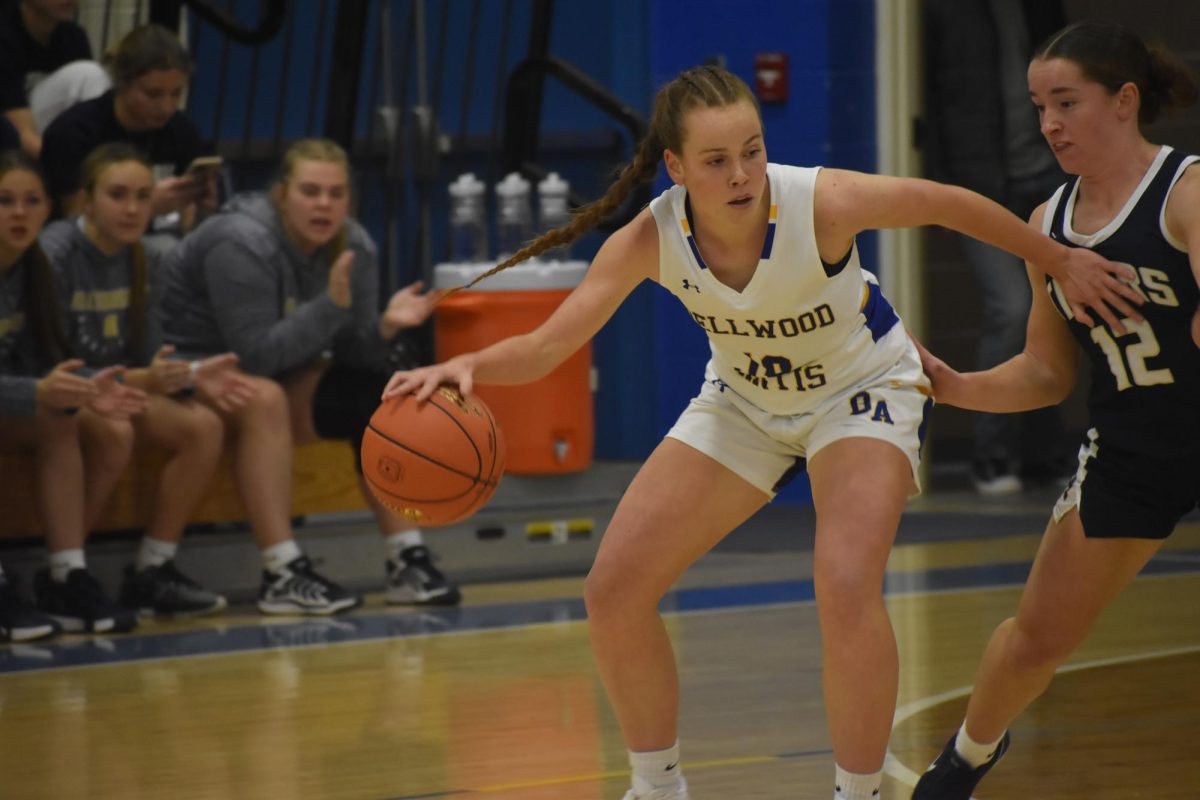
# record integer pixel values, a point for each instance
(237, 283)
(95, 290)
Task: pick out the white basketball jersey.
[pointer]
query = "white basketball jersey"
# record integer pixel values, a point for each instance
(801, 330)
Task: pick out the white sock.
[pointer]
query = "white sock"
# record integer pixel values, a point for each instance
(278, 556)
(63, 561)
(397, 542)
(973, 752)
(656, 769)
(855, 786)
(155, 552)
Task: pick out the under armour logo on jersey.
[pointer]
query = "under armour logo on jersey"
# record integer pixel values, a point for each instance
(720, 384)
(689, 285)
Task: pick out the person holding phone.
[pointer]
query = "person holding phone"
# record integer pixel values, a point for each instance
(150, 70)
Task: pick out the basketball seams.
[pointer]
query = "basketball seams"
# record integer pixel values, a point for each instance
(462, 429)
(495, 446)
(401, 498)
(418, 434)
(371, 427)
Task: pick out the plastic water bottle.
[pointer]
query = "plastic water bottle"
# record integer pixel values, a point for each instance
(514, 215)
(468, 220)
(553, 212)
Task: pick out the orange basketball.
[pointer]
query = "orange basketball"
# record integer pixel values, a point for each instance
(435, 463)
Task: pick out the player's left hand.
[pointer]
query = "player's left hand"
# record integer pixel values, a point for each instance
(219, 381)
(1196, 327)
(939, 372)
(113, 398)
(1093, 282)
(168, 375)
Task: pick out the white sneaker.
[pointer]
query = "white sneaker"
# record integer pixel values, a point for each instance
(678, 792)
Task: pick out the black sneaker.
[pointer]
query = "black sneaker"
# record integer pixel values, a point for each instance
(164, 591)
(80, 604)
(950, 777)
(19, 621)
(300, 589)
(416, 581)
(994, 476)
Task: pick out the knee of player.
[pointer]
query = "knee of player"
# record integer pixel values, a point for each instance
(843, 588)
(204, 430)
(611, 590)
(1034, 645)
(111, 441)
(269, 399)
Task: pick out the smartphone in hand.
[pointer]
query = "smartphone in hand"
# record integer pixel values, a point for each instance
(202, 166)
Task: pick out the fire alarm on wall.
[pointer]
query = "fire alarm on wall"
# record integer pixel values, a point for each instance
(771, 77)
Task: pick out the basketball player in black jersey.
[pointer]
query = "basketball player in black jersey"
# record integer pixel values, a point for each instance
(1094, 85)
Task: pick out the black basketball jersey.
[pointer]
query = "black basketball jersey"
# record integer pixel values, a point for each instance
(1145, 392)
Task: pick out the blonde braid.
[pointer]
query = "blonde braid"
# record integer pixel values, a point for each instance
(641, 169)
(705, 86)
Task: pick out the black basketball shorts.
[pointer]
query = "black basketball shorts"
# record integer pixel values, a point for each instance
(1122, 494)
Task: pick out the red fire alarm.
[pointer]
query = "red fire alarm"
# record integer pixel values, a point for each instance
(771, 77)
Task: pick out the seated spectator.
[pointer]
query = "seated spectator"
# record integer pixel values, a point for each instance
(46, 66)
(150, 71)
(76, 426)
(109, 285)
(289, 282)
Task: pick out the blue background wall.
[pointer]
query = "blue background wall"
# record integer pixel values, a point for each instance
(650, 356)
(828, 119)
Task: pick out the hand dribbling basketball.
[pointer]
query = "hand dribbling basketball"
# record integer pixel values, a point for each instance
(435, 462)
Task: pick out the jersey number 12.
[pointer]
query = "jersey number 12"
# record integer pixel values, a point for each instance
(1128, 362)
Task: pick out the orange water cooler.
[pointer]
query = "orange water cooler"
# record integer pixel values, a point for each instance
(548, 425)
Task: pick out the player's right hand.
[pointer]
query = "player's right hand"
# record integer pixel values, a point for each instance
(424, 381)
(62, 389)
(113, 399)
(339, 280)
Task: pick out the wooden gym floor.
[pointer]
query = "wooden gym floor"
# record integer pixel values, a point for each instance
(499, 699)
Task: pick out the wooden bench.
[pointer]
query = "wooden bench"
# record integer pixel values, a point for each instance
(324, 481)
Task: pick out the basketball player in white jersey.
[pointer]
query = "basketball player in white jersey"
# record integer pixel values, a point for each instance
(1133, 202)
(810, 367)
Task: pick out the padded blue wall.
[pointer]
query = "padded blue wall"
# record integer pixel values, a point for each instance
(650, 356)
(828, 119)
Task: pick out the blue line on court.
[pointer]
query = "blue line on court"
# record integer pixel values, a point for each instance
(274, 633)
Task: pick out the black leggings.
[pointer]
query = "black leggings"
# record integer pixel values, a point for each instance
(343, 403)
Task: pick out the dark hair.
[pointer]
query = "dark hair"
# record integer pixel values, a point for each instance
(40, 302)
(144, 49)
(699, 87)
(93, 167)
(1112, 55)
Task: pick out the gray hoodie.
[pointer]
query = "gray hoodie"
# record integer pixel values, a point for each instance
(238, 283)
(19, 369)
(95, 292)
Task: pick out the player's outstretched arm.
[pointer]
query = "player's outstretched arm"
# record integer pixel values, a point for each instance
(850, 202)
(628, 257)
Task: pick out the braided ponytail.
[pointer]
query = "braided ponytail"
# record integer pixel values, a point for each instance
(699, 87)
(641, 169)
